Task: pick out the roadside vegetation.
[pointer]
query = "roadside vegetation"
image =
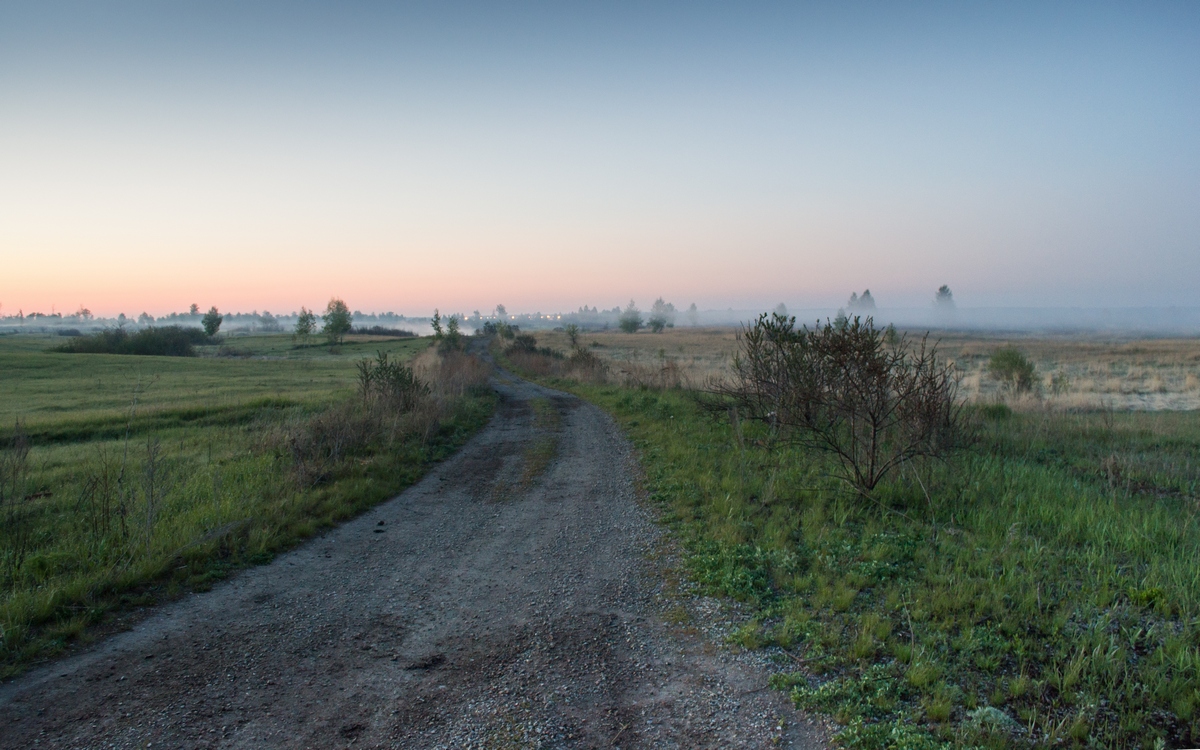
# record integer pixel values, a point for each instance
(1038, 587)
(125, 481)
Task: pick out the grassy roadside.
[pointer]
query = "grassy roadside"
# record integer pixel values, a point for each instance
(148, 477)
(1042, 593)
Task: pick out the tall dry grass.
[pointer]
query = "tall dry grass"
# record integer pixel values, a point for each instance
(318, 443)
(581, 365)
(1074, 372)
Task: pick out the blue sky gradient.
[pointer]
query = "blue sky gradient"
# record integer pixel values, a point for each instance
(551, 155)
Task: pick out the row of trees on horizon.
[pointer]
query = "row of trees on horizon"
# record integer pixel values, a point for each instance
(630, 318)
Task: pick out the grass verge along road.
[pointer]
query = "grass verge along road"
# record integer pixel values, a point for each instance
(126, 480)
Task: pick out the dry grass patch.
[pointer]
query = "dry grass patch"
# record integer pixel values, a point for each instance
(1073, 373)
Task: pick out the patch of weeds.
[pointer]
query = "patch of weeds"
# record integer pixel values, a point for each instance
(749, 636)
(740, 571)
(871, 695)
(678, 615)
(893, 734)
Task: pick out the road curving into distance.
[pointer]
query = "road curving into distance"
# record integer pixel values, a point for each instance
(512, 598)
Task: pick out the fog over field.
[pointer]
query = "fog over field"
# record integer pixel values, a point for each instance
(1130, 321)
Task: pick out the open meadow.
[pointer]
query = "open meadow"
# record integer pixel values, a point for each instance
(1040, 586)
(1074, 372)
(126, 479)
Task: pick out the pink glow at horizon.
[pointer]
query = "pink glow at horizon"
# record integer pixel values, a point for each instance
(264, 157)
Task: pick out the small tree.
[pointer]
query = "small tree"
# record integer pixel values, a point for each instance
(572, 332)
(306, 323)
(453, 336)
(194, 309)
(891, 336)
(631, 318)
(844, 391)
(662, 315)
(944, 298)
(1013, 369)
(781, 310)
(337, 321)
(211, 321)
(693, 315)
(436, 322)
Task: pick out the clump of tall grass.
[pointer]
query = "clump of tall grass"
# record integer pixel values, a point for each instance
(165, 341)
(1013, 369)
(391, 385)
(542, 361)
(395, 402)
(664, 374)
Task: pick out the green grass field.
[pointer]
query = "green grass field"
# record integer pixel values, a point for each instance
(150, 476)
(1040, 590)
(51, 391)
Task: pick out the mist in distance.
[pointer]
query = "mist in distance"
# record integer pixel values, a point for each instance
(943, 313)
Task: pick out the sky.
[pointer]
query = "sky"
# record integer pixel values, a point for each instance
(268, 155)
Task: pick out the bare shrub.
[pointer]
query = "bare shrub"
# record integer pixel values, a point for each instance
(842, 390)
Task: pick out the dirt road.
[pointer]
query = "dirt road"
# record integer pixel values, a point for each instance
(508, 600)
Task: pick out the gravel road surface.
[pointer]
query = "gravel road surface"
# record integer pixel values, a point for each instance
(513, 598)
